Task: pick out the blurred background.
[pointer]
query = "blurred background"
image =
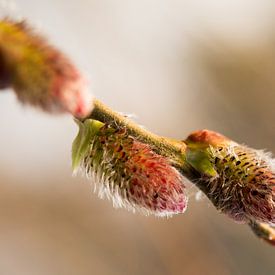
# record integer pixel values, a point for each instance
(179, 66)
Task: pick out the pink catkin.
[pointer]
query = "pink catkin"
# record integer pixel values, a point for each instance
(40, 74)
(132, 175)
(155, 182)
(244, 185)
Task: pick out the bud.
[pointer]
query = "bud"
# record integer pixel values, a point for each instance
(40, 74)
(128, 171)
(239, 181)
(263, 231)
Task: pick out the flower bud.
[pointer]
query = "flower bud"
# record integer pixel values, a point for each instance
(40, 74)
(239, 181)
(128, 171)
(263, 231)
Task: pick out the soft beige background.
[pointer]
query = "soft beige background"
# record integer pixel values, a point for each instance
(179, 66)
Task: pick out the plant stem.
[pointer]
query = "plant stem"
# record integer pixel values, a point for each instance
(164, 146)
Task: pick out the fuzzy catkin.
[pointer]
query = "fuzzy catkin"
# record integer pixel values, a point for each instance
(40, 74)
(130, 173)
(241, 182)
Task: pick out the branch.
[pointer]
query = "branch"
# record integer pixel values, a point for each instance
(133, 167)
(171, 148)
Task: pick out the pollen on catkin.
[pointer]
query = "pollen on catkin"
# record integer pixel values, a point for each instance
(128, 171)
(240, 181)
(40, 74)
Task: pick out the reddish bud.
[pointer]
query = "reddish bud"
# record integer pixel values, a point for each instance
(240, 181)
(40, 74)
(128, 171)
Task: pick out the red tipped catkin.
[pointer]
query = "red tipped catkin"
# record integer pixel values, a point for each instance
(128, 171)
(240, 181)
(40, 74)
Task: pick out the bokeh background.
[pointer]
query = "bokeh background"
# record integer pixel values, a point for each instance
(179, 66)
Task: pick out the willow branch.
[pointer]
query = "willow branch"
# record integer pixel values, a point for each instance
(167, 147)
